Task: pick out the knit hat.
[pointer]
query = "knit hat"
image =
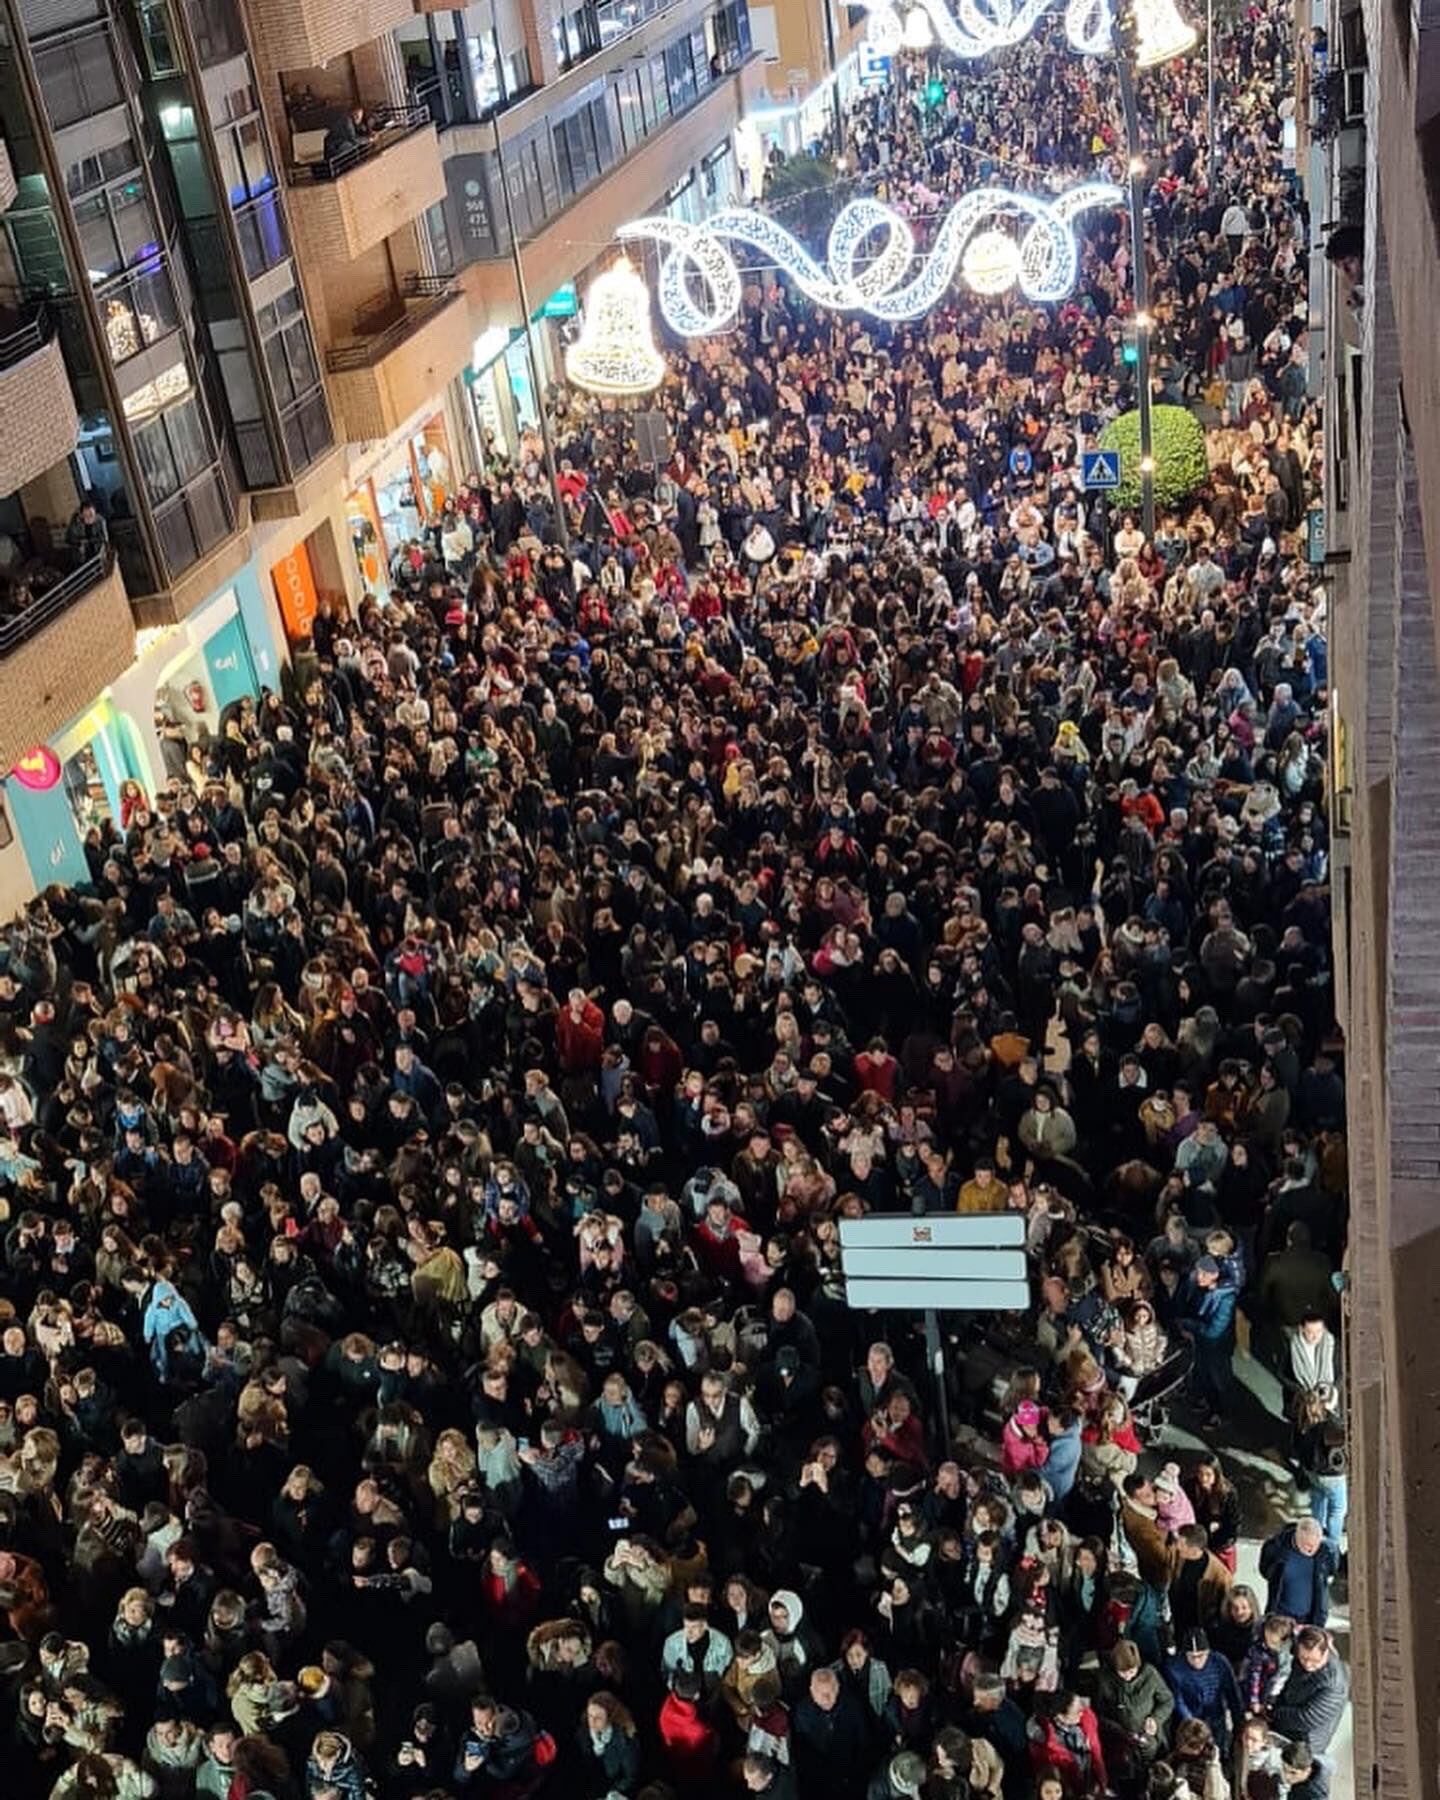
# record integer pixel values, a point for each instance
(1167, 1480)
(1194, 1640)
(175, 1669)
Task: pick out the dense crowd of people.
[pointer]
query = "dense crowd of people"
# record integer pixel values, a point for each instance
(425, 1367)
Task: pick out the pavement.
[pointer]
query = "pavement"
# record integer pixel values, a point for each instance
(1254, 1459)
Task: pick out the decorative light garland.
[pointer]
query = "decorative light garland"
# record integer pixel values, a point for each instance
(615, 353)
(976, 27)
(1043, 260)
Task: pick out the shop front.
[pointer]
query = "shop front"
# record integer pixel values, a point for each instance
(145, 728)
(394, 499)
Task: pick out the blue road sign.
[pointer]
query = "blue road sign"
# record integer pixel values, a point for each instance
(1100, 469)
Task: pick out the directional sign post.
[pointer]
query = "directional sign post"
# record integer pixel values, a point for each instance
(1100, 470)
(936, 1263)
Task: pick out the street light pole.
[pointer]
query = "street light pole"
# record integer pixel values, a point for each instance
(1210, 95)
(829, 6)
(562, 527)
(1125, 46)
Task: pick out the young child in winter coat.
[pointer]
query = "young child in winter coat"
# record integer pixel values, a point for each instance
(1172, 1504)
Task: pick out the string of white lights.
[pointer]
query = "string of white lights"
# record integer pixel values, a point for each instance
(1043, 260)
(969, 29)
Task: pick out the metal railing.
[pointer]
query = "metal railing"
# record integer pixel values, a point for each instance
(388, 126)
(427, 287)
(34, 329)
(47, 607)
(364, 352)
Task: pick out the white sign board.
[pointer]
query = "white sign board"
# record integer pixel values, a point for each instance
(934, 1263)
(937, 1296)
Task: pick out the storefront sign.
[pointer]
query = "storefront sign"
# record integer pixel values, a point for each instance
(564, 303)
(469, 192)
(295, 590)
(39, 769)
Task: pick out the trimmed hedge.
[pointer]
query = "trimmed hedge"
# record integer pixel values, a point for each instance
(1179, 448)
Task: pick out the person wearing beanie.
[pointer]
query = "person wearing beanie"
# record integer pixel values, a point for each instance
(1205, 1687)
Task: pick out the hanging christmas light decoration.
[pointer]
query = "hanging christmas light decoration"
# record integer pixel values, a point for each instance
(700, 284)
(615, 353)
(1160, 33)
(973, 28)
(991, 262)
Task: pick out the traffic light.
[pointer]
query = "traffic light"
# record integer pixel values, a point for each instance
(934, 91)
(1129, 348)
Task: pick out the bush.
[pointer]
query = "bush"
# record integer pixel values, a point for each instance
(1179, 446)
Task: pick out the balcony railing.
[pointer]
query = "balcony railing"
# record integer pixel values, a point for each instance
(389, 125)
(424, 297)
(56, 599)
(23, 331)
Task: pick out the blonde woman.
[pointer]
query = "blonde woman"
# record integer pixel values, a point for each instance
(251, 1693)
(452, 1470)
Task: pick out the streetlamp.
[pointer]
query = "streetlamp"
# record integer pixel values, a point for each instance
(1147, 33)
(562, 527)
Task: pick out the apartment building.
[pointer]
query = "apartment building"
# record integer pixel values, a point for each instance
(811, 55)
(258, 302)
(1370, 153)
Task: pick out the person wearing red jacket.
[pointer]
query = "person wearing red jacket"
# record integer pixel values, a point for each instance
(1069, 1743)
(580, 1034)
(509, 1589)
(689, 1742)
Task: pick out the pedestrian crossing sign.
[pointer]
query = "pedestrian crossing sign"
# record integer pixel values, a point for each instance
(1100, 469)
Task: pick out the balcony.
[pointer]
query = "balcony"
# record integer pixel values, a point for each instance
(381, 376)
(8, 189)
(38, 426)
(307, 34)
(57, 654)
(348, 204)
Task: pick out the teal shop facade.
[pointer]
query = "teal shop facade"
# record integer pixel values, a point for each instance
(228, 649)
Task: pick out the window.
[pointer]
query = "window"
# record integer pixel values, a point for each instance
(290, 358)
(307, 429)
(117, 228)
(100, 167)
(680, 75)
(260, 227)
(295, 378)
(577, 35)
(157, 38)
(138, 312)
(629, 108)
(216, 28)
(194, 522)
(658, 109)
(576, 155)
(78, 77)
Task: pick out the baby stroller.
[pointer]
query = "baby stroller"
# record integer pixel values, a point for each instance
(1148, 1403)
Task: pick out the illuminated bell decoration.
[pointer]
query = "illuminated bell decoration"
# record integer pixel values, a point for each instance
(1160, 33)
(918, 32)
(615, 352)
(991, 262)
